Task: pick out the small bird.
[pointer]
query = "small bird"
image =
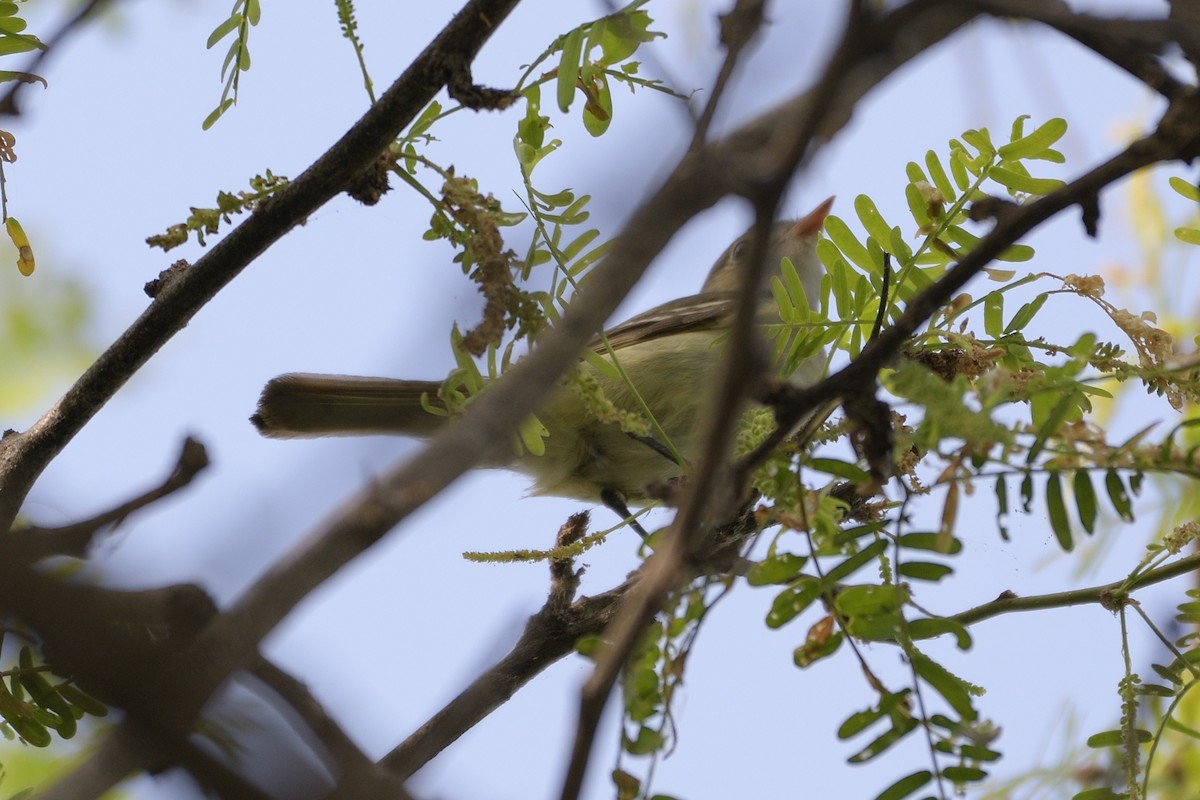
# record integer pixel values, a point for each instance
(669, 353)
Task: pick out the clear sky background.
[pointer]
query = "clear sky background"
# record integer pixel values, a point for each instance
(113, 152)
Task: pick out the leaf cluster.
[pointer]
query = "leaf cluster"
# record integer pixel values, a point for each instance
(32, 706)
(207, 221)
(244, 15)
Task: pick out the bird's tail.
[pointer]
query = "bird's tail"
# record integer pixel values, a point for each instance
(300, 405)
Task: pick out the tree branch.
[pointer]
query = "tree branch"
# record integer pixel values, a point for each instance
(35, 543)
(1009, 603)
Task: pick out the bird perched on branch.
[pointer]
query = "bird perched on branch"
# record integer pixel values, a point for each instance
(669, 355)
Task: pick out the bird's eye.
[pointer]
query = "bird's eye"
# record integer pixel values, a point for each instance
(741, 250)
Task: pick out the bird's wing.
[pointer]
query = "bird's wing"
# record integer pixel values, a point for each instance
(695, 312)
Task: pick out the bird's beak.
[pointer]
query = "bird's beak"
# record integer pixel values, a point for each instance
(811, 223)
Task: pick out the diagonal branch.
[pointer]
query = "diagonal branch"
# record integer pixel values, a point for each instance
(549, 635)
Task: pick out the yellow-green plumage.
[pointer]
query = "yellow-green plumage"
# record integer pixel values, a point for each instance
(670, 353)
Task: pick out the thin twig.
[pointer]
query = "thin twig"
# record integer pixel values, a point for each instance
(738, 28)
(34, 542)
(1009, 603)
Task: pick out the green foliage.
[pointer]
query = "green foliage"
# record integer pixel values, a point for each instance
(983, 398)
(207, 221)
(349, 25)
(34, 708)
(1189, 234)
(14, 40)
(652, 678)
(244, 15)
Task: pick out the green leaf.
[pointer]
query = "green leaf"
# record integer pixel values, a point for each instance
(872, 221)
(792, 601)
(959, 774)
(648, 741)
(1001, 505)
(1048, 418)
(1185, 188)
(858, 722)
(855, 562)
(1027, 492)
(216, 113)
(19, 43)
(1169, 673)
(977, 753)
(778, 568)
(917, 205)
(929, 627)
(924, 570)
(1015, 181)
(938, 175)
(915, 173)
(958, 169)
(1025, 314)
(934, 542)
(869, 599)
(948, 685)
(1188, 235)
(597, 111)
(1059, 522)
(1117, 738)
(1085, 499)
(906, 786)
(993, 314)
(1118, 496)
(223, 30)
(840, 234)
(882, 743)
(981, 140)
(1040, 140)
(1018, 127)
(814, 650)
(840, 469)
(568, 69)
